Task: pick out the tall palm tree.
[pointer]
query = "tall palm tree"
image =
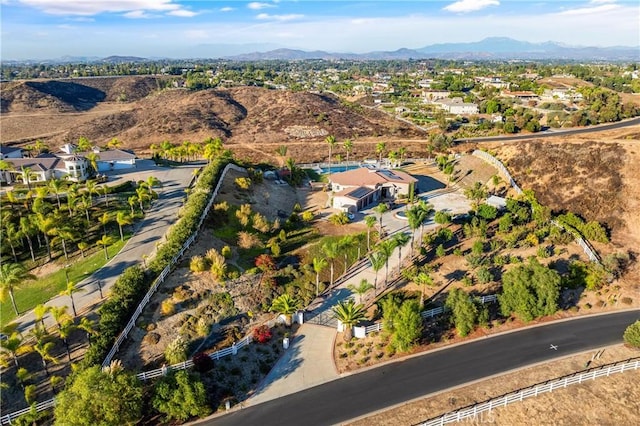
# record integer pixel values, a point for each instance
(377, 262)
(393, 158)
(370, 221)
(415, 217)
(12, 234)
(27, 228)
(133, 200)
(47, 225)
(12, 275)
(68, 291)
(319, 263)
(380, 209)
(92, 158)
(59, 314)
(282, 153)
(331, 140)
(348, 147)
(114, 143)
(380, 149)
(104, 220)
(361, 289)
(65, 330)
(84, 144)
(88, 326)
(285, 305)
(64, 234)
(385, 248)
(27, 175)
(401, 152)
(14, 346)
(55, 187)
(344, 244)
(400, 240)
(123, 219)
(44, 348)
(151, 182)
(331, 249)
(423, 279)
(105, 242)
(39, 312)
(350, 314)
(142, 195)
(91, 187)
(105, 190)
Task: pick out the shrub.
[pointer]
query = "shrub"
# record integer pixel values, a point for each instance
(181, 395)
(262, 334)
(202, 362)
(484, 275)
(307, 216)
(243, 183)
(626, 300)
(247, 240)
(176, 351)
(168, 308)
(632, 335)
(226, 252)
(339, 218)
(198, 264)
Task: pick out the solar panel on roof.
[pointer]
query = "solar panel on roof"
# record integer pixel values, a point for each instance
(359, 192)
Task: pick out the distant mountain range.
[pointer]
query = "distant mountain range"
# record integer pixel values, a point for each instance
(489, 48)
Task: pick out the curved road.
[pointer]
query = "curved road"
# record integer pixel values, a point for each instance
(358, 394)
(554, 133)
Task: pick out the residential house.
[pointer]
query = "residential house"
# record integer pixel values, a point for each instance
(457, 106)
(114, 159)
(356, 189)
(46, 167)
(10, 152)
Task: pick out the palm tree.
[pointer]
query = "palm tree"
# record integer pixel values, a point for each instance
(71, 288)
(476, 193)
(91, 188)
(349, 314)
(133, 200)
(39, 312)
(377, 262)
(28, 229)
(415, 217)
(344, 244)
(319, 263)
(380, 209)
(55, 187)
(385, 248)
(331, 140)
(83, 245)
(27, 175)
(400, 240)
(114, 143)
(348, 147)
(92, 158)
(423, 279)
(59, 314)
(142, 196)
(151, 182)
(65, 330)
(330, 249)
(380, 148)
(11, 234)
(47, 225)
(370, 221)
(84, 144)
(123, 219)
(12, 275)
(285, 305)
(65, 233)
(105, 189)
(402, 151)
(88, 326)
(393, 158)
(15, 346)
(282, 152)
(85, 204)
(104, 219)
(361, 289)
(105, 242)
(44, 348)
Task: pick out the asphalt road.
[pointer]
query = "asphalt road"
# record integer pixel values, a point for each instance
(555, 133)
(387, 385)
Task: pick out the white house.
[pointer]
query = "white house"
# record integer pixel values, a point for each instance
(456, 106)
(114, 159)
(356, 189)
(46, 167)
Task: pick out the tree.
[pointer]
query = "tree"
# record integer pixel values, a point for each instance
(282, 152)
(92, 158)
(84, 144)
(180, 395)
(415, 218)
(380, 209)
(380, 149)
(14, 346)
(59, 314)
(344, 244)
(370, 221)
(104, 220)
(350, 314)
(65, 331)
(407, 325)
(100, 398)
(105, 242)
(71, 288)
(385, 248)
(28, 229)
(330, 249)
(88, 326)
(27, 175)
(400, 240)
(348, 147)
(632, 334)
(464, 311)
(530, 290)
(331, 140)
(377, 262)
(285, 305)
(477, 193)
(423, 279)
(55, 186)
(12, 275)
(361, 289)
(122, 218)
(44, 347)
(39, 312)
(319, 263)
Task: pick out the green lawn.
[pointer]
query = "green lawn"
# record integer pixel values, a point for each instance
(33, 293)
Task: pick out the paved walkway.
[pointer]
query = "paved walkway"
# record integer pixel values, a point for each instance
(148, 232)
(309, 360)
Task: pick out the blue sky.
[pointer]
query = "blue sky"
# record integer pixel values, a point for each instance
(42, 29)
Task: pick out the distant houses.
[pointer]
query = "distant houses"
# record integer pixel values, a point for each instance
(68, 164)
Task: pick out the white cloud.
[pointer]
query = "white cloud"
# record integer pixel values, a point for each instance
(290, 17)
(602, 1)
(182, 13)
(137, 14)
(94, 7)
(591, 10)
(255, 5)
(463, 6)
(227, 9)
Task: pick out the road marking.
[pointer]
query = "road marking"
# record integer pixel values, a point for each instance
(554, 347)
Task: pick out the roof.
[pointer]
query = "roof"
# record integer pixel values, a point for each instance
(4, 150)
(36, 164)
(370, 177)
(112, 155)
(356, 194)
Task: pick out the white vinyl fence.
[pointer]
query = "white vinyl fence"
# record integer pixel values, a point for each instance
(586, 247)
(475, 411)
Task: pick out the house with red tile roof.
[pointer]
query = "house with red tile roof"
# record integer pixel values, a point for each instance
(356, 189)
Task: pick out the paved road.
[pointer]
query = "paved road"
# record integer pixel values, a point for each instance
(149, 231)
(555, 133)
(390, 384)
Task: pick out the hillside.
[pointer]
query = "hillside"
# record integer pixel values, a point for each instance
(136, 112)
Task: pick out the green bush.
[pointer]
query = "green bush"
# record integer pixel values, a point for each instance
(632, 334)
(180, 395)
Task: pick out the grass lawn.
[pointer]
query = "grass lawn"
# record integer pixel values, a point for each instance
(32, 293)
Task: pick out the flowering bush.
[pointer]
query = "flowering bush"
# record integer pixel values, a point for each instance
(262, 334)
(202, 362)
